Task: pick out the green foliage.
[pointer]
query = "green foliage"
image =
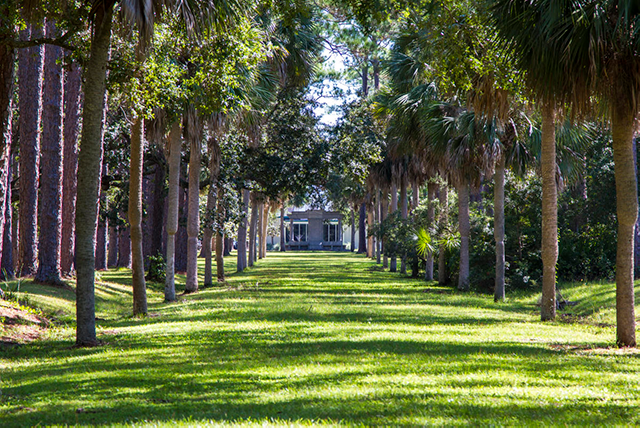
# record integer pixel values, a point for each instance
(157, 269)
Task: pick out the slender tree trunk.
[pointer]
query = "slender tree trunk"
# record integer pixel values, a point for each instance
(259, 231)
(70, 167)
(135, 217)
(353, 229)
(362, 230)
(283, 237)
(158, 208)
(242, 232)
(89, 160)
(124, 249)
(384, 212)
(101, 244)
(498, 227)
(378, 220)
(431, 193)
(416, 195)
(219, 237)
(8, 272)
(370, 237)
(228, 246)
(464, 228)
(51, 165)
(193, 221)
(173, 200)
(443, 220)
(208, 236)
(549, 215)
(255, 208)
(30, 73)
(7, 63)
(393, 263)
(265, 226)
(112, 259)
(182, 239)
(627, 212)
(405, 214)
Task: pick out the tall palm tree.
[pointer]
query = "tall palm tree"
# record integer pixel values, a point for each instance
(196, 15)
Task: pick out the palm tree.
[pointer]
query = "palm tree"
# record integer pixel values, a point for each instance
(174, 150)
(196, 15)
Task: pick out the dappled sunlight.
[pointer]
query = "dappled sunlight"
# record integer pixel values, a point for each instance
(298, 342)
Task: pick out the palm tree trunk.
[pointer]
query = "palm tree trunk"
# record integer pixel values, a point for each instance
(265, 226)
(393, 263)
(362, 230)
(135, 217)
(89, 159)
(378, 220)
(193, 219)
(464, 227)
(51, 165)
(242, 231)
(101, 244)
(72, 103)
(8, 272)
(370, 238)
(498, 227)
(405, 214)
(353, 229)
(443, 277)
(220, 237)
(30, 70)
(283, 237)
(627, 212)
(156, 222)
(416, 194)
(253, 226)
(431, 193)
(383, 214)
(549, 215)
(208, 236)
(124, 247)
(172, 210)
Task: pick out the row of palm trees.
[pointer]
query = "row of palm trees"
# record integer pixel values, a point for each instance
(579, 60)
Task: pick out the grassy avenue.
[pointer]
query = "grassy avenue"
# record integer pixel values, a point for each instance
(322, 338)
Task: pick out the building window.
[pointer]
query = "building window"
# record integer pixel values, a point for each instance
(331, 232)
(300, 232)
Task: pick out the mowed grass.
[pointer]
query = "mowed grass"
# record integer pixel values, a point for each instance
(323, 338)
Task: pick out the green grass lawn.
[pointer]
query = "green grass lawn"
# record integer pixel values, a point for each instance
(322, 338)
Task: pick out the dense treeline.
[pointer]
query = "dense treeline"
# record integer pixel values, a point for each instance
(469, 146)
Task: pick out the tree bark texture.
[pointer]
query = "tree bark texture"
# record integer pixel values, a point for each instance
(383, 213)
(193, 219)
(627, 212)
(8, 272)
(242, 232)
(393, 262)
(416, 194)
(156, 222)
(219, 237)
(353, 230)
(208, 236)
(253, 226)
(51, 165)
(464, 228)
(265, 228)
(370, 237)
(549, 215)
(498, 228)
(101, 244)
(135, 217)
(71, 127)
(283, 236)
(124, 247)
(431, 194)
(89, 160)
(181, 236)
(443, 220)
(112, 258)
(172, 209)
(259, 231)
(362, 229)
(30, 71)
(404, 213)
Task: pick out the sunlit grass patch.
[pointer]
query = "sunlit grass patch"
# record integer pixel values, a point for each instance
(321, 338)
